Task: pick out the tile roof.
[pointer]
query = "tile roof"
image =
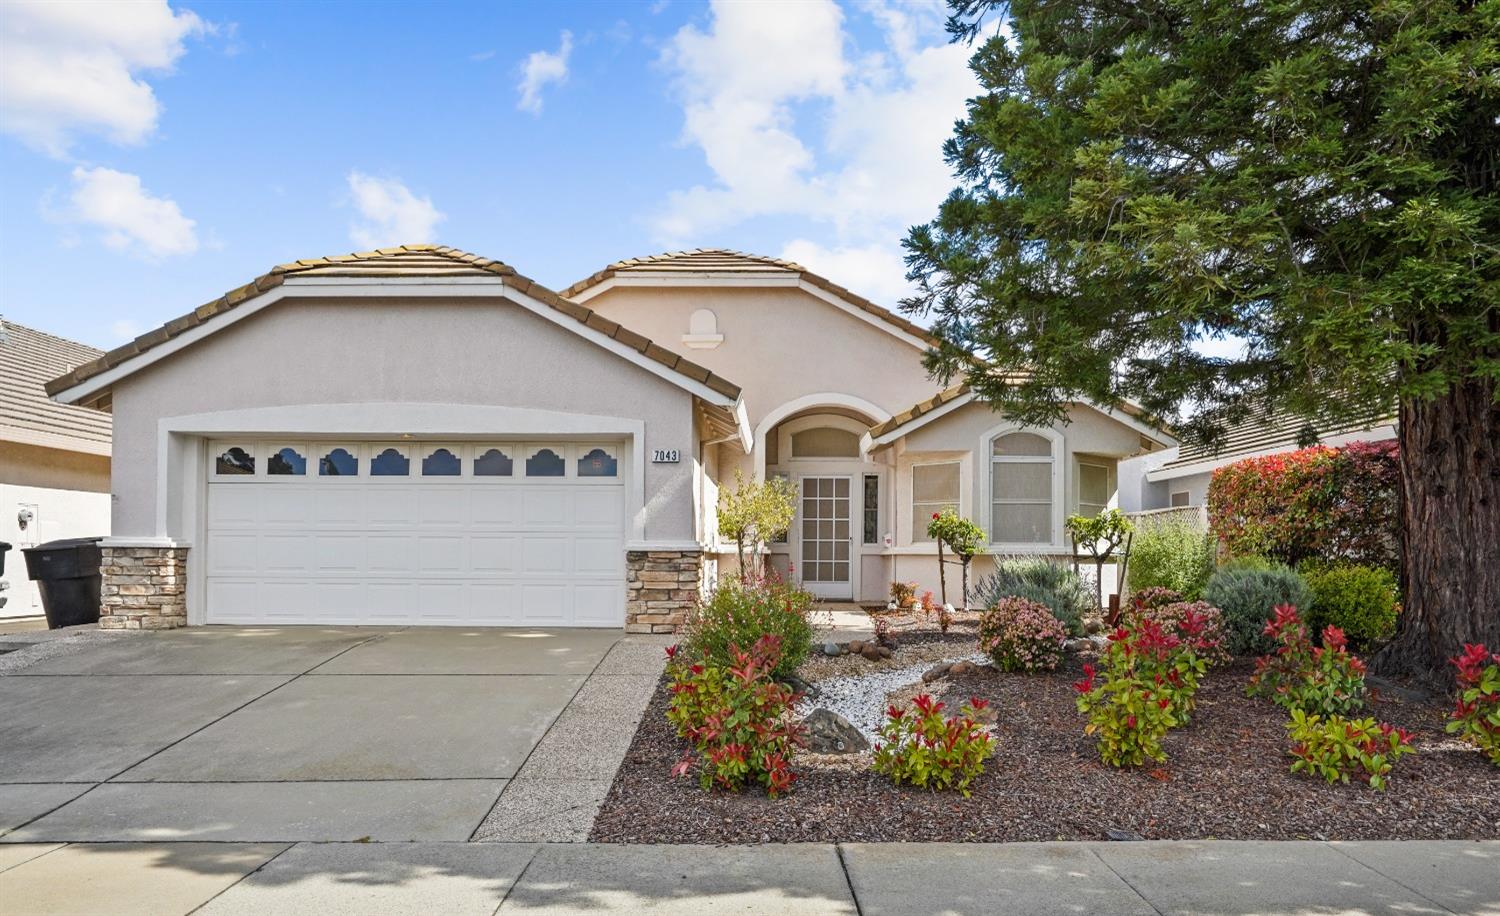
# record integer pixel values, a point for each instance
(701, 261)
(1284, 432)
(407, 261)
(28, 359)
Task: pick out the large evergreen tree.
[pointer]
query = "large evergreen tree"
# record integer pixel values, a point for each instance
(1317, 177)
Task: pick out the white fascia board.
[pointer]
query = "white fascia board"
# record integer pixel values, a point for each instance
(742, 420)
(59, 441)
(1207, 465)
(685, 278)
(872, 320)
(923, 420)
(1150, 432)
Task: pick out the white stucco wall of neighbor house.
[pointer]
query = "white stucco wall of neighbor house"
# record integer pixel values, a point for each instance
(46, 494)
(437, 358)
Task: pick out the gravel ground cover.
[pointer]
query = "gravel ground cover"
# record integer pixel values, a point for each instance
(1226, 777)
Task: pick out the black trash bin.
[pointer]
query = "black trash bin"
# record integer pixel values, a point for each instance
(66, 574)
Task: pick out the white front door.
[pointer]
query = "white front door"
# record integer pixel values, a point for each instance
(413, 532)
(827, 541)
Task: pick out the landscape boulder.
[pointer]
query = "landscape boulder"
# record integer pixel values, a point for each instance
(830, 733)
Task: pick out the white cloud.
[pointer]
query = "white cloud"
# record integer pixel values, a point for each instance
(74, 68)
(130, 217)
(392, 214)
(541, 68)
(795, 119)
(875, 271)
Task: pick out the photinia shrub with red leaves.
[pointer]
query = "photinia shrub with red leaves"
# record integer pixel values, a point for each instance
(1476, 715)
(1327, 679)
(919, 746)
(1149, 680)
(1197, 623)
(1334, 747)
(737, 717)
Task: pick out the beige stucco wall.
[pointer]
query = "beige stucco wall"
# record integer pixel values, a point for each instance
(66, 494)
(780, 344)
(479, 352)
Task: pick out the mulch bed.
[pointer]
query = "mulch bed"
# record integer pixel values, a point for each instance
(1226, 777)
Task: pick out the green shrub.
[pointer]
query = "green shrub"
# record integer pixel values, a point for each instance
(1171, 554)
(1360, 600)
(918, 745)
(1336, 747)
(737, 613)
(1248, 598)
(1052, 585)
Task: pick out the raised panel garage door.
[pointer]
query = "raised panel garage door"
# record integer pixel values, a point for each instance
(494, 534)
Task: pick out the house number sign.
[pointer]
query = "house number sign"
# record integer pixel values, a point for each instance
(665, 456)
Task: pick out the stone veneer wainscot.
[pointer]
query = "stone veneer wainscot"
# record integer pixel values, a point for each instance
(660, 587)
(144, 588)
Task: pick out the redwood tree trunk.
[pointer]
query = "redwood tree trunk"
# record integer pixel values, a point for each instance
(1450, 532)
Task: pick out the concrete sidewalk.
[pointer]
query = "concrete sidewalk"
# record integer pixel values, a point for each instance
(856, 879)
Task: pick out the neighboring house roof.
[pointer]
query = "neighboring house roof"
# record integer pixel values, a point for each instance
(684, 267)
(28, 359)
(1269, 435)
(956, 396)
(407, 262)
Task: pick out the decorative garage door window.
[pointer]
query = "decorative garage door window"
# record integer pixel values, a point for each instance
(597, 462)
(434, 463)
(493, 462)
(338, 462)
(286, 462)
(544, 462)
(233, 461)
(442, 462)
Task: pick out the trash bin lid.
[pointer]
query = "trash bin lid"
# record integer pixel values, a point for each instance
(64, 543)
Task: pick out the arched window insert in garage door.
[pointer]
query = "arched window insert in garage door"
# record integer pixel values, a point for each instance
(432, 462)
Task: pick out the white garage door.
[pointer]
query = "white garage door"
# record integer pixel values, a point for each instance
(432, 533)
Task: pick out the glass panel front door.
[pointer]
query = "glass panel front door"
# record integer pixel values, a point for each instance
(826, 540)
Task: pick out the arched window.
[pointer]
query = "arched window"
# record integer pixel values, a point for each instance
(1022, 489)
(825, 442)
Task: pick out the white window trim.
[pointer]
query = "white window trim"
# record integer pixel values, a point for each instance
(1110, 484)
(1187, 497)
(986, 485)
(578, 451)
(219, 447)
(274, 446)
(926, 513)
(424, 448)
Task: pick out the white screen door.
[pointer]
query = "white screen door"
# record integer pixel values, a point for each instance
(826, 538)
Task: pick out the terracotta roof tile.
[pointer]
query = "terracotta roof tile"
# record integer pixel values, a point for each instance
(28, 359)
(405, 261)
(725, 261)
(919, 409)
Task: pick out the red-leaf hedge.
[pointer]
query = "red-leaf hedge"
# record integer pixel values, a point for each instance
(1314, 503)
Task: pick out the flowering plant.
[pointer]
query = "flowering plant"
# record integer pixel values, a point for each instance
(1335, 746)
(737, 717)
(1476, 714)
(1327, 679)
(918, 745)
(1021, 635)
(1197, 623)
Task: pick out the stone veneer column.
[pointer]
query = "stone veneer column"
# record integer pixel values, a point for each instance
(660, 587)
(144, 588)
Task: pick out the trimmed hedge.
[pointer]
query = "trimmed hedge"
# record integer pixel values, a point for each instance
(1323, 504)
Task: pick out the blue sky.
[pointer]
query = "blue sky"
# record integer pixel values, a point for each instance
(154, 156)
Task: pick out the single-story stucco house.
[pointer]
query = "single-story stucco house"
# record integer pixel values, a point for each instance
(54, 458)
(418, 435)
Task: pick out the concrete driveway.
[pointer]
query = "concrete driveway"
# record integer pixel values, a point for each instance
(267, 734)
